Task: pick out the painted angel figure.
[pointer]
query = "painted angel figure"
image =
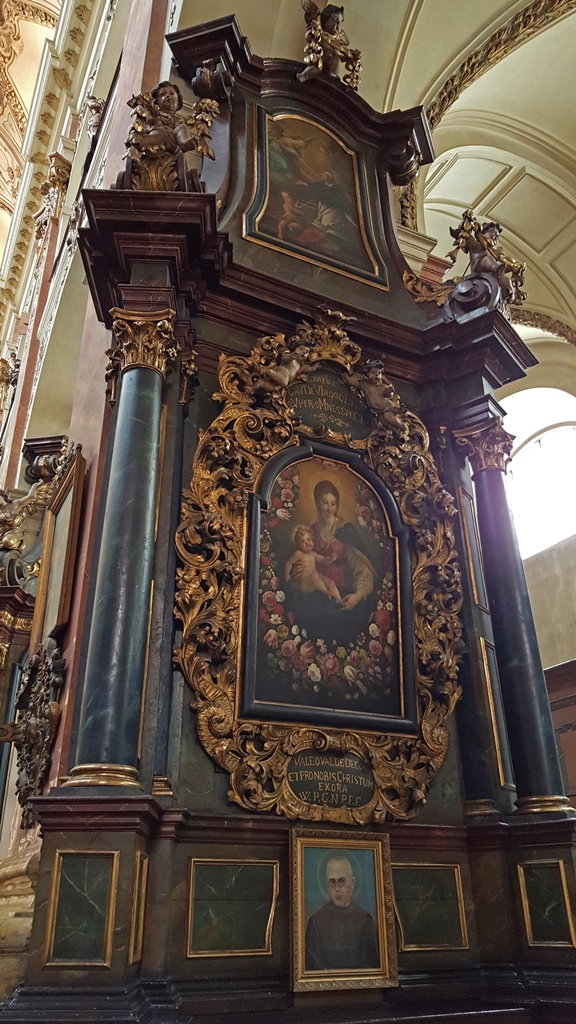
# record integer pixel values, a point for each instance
(158, 136)
(379, 395)
(327, 45)
(480, 243)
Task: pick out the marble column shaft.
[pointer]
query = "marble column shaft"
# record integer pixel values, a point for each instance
(113, 687)
(529, 722)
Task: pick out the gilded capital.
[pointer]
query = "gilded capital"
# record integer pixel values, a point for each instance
(488, 448)
(141, 340)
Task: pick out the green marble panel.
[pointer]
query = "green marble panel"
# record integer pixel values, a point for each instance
(546, 905)
(429, 905)
(82, 924)
(232, 907)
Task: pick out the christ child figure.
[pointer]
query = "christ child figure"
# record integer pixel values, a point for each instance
(308, 579)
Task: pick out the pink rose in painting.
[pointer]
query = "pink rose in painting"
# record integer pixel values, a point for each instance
(288, 648)
(364, 512)
(307, 651)
(269, 599)
(275, 583)
(353, 657)
(271, 638)
(382, 619)
(287, 494)
(375, 648)
(331, 663)
(299, 662)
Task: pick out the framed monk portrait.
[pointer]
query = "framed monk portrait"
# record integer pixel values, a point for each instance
(343, 926)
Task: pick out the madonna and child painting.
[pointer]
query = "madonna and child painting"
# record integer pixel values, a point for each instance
(328, 629)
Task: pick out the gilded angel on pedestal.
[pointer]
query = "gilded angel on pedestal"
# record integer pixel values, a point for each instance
(158, 137)
(328, 46)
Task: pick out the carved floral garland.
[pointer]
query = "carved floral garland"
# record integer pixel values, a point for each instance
(252, 427)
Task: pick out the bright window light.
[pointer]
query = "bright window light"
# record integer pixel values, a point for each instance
(541, 480)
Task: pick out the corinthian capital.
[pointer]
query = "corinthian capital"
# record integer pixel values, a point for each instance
(488, 448)
(141, 340)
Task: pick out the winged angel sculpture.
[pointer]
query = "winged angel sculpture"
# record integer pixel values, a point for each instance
(328, 46)
(158, 137)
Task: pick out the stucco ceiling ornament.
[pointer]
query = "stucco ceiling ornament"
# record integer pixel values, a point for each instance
(328, 46)
(257, 423)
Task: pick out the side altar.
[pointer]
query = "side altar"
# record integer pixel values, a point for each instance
(310, 748)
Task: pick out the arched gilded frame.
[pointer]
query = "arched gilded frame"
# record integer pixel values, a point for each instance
(239, 461)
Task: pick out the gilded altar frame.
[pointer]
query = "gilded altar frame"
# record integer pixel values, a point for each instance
(256, 423)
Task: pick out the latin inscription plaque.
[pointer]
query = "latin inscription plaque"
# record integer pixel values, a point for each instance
(323, 400)
(330, 779)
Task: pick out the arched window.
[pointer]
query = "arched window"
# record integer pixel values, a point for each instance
(541, 479)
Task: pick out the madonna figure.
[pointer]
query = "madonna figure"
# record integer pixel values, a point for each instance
(344, 564)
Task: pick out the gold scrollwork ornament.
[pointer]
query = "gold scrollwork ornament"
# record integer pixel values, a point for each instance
(255, 424)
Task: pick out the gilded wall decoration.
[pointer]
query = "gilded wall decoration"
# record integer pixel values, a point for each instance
(264, 442)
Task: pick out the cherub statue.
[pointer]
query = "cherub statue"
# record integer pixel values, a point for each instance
(379, 395)
(290, 366)
(158, 136)
(327, 45)
(487, 257)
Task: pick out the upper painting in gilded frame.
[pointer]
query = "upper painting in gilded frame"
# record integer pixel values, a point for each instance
(310, 198)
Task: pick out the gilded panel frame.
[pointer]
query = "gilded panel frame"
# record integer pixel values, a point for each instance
(556, 862)
(464, 944)
(105, 961)
(266, 950)
(256, 423)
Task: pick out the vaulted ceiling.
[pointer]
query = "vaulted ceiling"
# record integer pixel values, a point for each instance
(496, 79)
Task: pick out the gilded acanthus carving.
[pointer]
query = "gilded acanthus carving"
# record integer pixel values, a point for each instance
(255, 424)
(141, 339)
(328, 46)
(488, 448)
(14, 511)
(34, 730)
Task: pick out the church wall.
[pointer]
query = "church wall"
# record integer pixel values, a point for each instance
(551, 578)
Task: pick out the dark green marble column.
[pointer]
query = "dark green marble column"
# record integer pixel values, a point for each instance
(535, 759)
(111, 705)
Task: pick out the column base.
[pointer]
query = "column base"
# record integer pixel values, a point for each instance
(103, 775)
(545, 805)
(481, 809)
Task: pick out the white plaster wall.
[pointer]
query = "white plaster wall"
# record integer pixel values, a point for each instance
(551, 578)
